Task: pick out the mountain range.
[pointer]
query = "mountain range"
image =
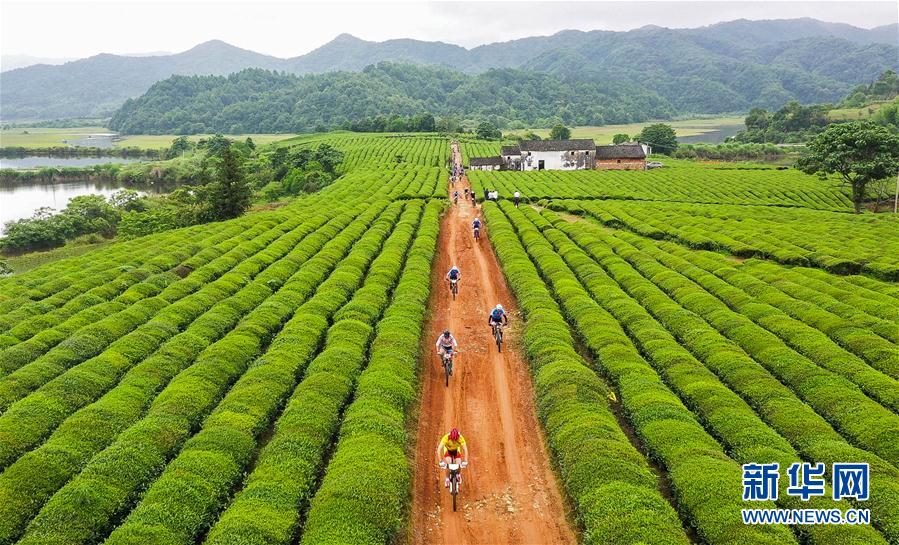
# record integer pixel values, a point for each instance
(725, 67)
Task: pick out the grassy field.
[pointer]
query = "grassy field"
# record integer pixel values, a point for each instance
(851, 114)
(687, 127)
(31, 137)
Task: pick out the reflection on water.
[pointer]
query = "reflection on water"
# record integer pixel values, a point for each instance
(21, 200)
(43, 161)
(716, 136)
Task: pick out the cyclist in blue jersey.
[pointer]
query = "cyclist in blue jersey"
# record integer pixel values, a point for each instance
(497, 316)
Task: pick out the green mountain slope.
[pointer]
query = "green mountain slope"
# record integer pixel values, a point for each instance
(724, 67)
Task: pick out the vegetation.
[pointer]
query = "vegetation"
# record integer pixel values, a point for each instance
(228, 382)
(728, 67)
(836, 242)
(256, 99)
(559, 132)
(679, 181)
(731, 151)
(860, 153)
(797, 123)
(219, 178)
(661, 137)
(885, 87)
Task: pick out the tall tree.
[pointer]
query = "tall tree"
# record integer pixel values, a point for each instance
(620, 138)
(661, 137)
(230, 194)
(860, 152)
(559, 132)
(488, 131)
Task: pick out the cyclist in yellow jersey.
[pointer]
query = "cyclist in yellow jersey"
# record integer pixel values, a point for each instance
(449, 449)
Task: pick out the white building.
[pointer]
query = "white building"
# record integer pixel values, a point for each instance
(557, 154)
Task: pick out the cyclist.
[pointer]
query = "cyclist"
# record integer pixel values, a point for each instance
(476, 226)
(448, 452)
(446, 344)
(455, 197)
(453, 274)
(497, 317)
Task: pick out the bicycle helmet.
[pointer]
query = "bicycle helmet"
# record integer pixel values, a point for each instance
(499, 307)
(446, 333)
(454, 434)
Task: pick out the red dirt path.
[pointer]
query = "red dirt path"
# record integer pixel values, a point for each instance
(509, 493)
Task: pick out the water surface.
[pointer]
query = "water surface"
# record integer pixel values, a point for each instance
(35, 161)
(22, 199)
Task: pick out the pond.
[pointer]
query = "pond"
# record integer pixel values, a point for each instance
(715, 136)
(44, 161)
(22, 199)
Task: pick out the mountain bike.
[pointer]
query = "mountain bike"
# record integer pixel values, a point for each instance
(498, 336)
(477, 233)
(454, 469)
(454, 287)
(447, 365)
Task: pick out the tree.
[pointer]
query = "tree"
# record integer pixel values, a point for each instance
(860, 152)
(487, 131)
(559, 132)
(329, 157)
(179, 146)
(661, 137)
(620, 138)
(230, 194)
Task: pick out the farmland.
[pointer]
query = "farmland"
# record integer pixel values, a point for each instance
(685, 127)
(271, 379)
(38, 137)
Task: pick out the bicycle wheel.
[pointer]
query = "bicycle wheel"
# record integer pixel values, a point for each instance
(454, 490)
(499, 339)
(446, 371)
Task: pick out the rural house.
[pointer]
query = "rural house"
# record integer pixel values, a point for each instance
(557, 154)
(511, 156)
(485, 163)
(621, 157)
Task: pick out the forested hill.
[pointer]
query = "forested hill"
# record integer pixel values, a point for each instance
(724, 67)
(260, 101)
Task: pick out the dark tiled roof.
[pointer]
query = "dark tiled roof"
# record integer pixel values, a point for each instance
(621, 151)
(510, 150)
(557, 145)
(484, 161)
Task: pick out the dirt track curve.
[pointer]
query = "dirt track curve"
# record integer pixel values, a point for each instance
(509, 493)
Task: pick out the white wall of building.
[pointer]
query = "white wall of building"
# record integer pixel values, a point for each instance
(556, 160)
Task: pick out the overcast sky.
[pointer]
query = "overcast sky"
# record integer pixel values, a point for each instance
(78, 29)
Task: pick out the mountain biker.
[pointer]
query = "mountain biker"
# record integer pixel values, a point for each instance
(476, 224)
(456, 197)
(454, 273)
(497, 316)
(446, 344)
(448, 451)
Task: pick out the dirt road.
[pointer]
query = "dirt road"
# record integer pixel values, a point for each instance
(509, 493)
